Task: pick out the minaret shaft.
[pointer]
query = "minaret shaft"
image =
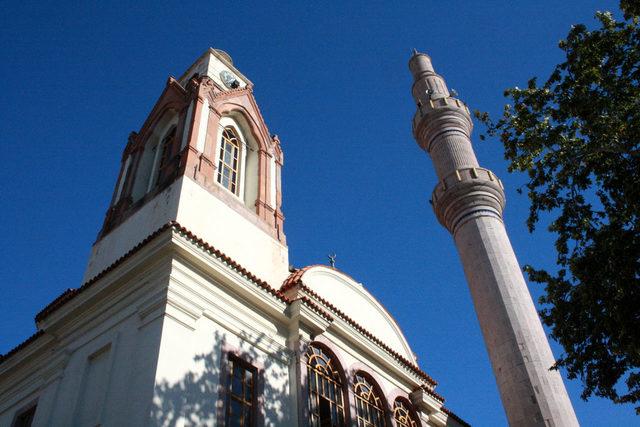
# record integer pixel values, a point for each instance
(468, 200)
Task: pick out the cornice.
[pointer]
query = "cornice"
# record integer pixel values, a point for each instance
(426, 400)
(308, 313)
(71, 293)
(229, 93)
(208, 290)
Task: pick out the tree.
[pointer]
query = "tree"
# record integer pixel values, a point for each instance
(577, 136)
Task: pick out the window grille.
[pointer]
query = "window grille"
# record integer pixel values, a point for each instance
(369, 406)
(402, 414)
(228, 160)
(326, 397)
(241, 393)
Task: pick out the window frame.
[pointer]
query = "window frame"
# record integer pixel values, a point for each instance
(167, 145)
(31, 406)
(231, 359)
(414, 420)
(360, 401)
(314, 397)
(221, 164)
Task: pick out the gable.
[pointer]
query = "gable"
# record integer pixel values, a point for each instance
(355, 301)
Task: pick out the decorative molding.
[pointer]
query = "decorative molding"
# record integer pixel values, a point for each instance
(426, 400)
(212, 294)
(177, 310)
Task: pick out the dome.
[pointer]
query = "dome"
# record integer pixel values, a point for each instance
(225, 55)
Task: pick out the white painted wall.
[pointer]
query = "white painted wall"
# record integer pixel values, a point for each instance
(149, 218)
(208, 217)
(163, 330)
(191, 356)
(235, 235)
(85, 390)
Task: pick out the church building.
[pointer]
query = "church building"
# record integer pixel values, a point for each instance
(189, 313)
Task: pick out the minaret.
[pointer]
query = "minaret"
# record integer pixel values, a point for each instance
(468, 200)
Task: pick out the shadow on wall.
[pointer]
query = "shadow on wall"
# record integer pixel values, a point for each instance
(201, 398)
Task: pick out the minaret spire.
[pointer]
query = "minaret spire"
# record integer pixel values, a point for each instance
(468, 200)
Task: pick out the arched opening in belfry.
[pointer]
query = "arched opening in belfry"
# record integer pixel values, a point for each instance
(235, 139)
(158, 150)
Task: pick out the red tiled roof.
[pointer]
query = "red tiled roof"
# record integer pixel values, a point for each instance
(67, 295)
(315, 307)
(294, 278)
(455, 417)
(296, 275)
(20, 346)
(433, 394)
(230, 262)
(72, 293)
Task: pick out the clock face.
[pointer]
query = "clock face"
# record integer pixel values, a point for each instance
(229, 79)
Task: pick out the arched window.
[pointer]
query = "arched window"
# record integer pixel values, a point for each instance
(403, 414)
(369, 406)
(326, 398)
(229, 160)
(167, 148)
(155, 161)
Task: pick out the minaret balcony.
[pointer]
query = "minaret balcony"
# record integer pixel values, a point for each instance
(465, 192)
(440, 114)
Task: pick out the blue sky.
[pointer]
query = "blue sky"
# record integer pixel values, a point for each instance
(332, 82)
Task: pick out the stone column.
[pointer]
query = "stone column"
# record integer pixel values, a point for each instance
(468, 200)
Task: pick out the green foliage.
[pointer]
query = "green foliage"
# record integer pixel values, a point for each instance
(577, 136)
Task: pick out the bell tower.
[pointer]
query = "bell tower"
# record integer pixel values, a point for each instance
(468, 201)
(203, 158)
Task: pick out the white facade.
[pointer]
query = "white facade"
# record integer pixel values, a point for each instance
(189, 281)
(145, 344)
